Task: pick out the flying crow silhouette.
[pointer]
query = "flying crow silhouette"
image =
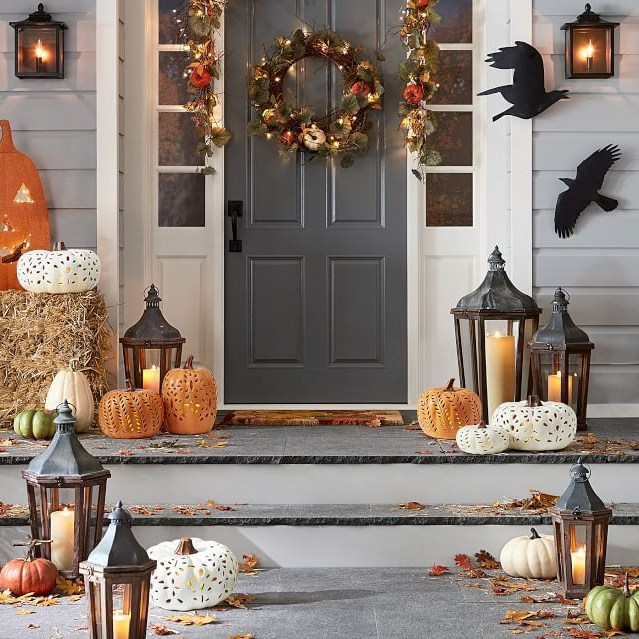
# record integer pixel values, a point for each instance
(527, 93)
(585, 189)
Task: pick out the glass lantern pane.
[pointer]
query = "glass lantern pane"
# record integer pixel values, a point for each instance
(551, 378)
(123, 608)
(449, 199)
(171, 26)
(455, 78)
(150, 365)
(453, 138)
(578, 553)
(94, 596)
(178, 140)
(172, 77)
(591, 51)
(181, 199)
(37, 50)
(456, 25)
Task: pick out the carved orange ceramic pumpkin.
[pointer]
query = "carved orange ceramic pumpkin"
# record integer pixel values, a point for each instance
(190, 400)
(131, 413)
(29, 575)
(443, 411)
(24, 217)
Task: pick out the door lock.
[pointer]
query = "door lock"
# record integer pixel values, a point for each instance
(235, 211)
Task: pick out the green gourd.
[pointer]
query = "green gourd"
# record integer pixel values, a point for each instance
(34, 424)
(612, 608)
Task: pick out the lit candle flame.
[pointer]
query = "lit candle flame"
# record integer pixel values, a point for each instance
(590, 50)
(39, 51)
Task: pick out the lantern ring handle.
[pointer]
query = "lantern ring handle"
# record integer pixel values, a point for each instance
(582, 465)
(550, 347)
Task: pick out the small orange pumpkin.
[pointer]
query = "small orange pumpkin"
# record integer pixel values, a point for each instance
(131, 413)
(441, 412)
(29, 575)
(190, 399)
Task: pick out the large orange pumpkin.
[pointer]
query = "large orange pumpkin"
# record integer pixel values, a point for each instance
(441, 412)
(23, 209)
(190, 400)
(23, 576)
(131, 413)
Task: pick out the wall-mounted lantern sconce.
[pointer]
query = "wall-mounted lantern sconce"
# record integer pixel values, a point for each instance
(39, 49)
(590, 46)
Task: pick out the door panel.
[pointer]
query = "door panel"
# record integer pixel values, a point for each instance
(315, 305)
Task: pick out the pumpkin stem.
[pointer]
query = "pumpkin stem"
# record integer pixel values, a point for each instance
(449, 386)
(129, 385)
(533, 401)
(482, 424)
(626, 586)
(59, 246)
(189, 362)
(535, 534)
(31, 544)
(185, 547)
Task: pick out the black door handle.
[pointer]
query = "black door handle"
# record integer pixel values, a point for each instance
(235, 210)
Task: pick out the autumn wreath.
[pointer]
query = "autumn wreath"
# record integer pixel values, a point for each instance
(341, 132)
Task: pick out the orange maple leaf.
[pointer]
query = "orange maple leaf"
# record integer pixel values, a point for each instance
(436, 570)
(463, 561)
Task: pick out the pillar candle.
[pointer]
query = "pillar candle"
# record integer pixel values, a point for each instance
(578, 561)
(62, 536)
(554, 388)
(121, 623)
(151, 378)
(500, 370)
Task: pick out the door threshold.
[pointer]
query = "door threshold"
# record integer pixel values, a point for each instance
(316, 407)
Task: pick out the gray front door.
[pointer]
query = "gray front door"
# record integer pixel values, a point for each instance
(315, 304)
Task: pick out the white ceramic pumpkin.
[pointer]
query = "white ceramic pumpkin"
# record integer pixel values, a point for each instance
(74, 387)
(530, 557)
(59, 271)
(313, 138)
(536, 426)
(482, 439)
(192, 574)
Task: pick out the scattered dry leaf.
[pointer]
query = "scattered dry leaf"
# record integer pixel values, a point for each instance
(239, 600)
(213, 504)
(25, 611)
(125, 453)
(486, 560)
(248, 565)
(463, 561)
(193, 619)
(583, 633)
(424, 452)
(249, 636)
(33, 626)
(161, 630)
(411, 505)
(51, 600)
(205, 444)
(436, 570)
(69, 586)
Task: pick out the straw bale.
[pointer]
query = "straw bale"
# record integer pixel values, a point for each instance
(42, 333)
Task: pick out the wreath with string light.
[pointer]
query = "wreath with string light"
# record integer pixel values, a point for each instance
(340, 133)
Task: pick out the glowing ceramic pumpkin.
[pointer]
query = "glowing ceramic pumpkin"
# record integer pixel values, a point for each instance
(531, 557)
(192, 574)
(482, 440)
(24, 216)
(59, 271)
(533, 425)
(74, 387)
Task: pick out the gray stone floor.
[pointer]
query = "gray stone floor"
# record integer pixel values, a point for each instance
(327, 604)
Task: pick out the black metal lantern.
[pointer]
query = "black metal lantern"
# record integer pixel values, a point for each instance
(590, 46)
(66, 488)
(152, 346)
(39, 48)
(497, 359)
(117, 578)
(580, 521)
(560, 360)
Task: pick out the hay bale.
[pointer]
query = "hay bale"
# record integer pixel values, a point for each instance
(42, 333)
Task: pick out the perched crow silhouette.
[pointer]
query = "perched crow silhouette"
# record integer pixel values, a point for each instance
(527, 93)
(585, 189)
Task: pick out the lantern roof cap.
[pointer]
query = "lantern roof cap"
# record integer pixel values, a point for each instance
(497, 292)
(580, 496)
(152, 326)
(39, 18)
(589, 17)
(65, 455)
(119, 548)
(561, 329)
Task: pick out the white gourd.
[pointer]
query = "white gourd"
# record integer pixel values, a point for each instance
(530, 557)
(74, 387)
(59, 271)
(482, 440)
(192, 574)
(536, 426)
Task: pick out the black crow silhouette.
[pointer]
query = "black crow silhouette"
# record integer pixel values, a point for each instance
(527, 93)
(585, 189)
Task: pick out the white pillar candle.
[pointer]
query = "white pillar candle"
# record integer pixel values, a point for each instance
(500, 370)
(151, 379)
(554, 388)
(62, 537)
(578, 561)
(121, 623)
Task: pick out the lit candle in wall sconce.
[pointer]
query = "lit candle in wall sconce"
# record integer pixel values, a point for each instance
(554, 387)
(40, 55)
(151, 379)
(590, 54)
(500, 370)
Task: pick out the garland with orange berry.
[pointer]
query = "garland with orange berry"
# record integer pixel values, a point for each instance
(417, 72)
(203, 19)
(342, 132)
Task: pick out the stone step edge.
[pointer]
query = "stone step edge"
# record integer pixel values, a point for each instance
(334, 515)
